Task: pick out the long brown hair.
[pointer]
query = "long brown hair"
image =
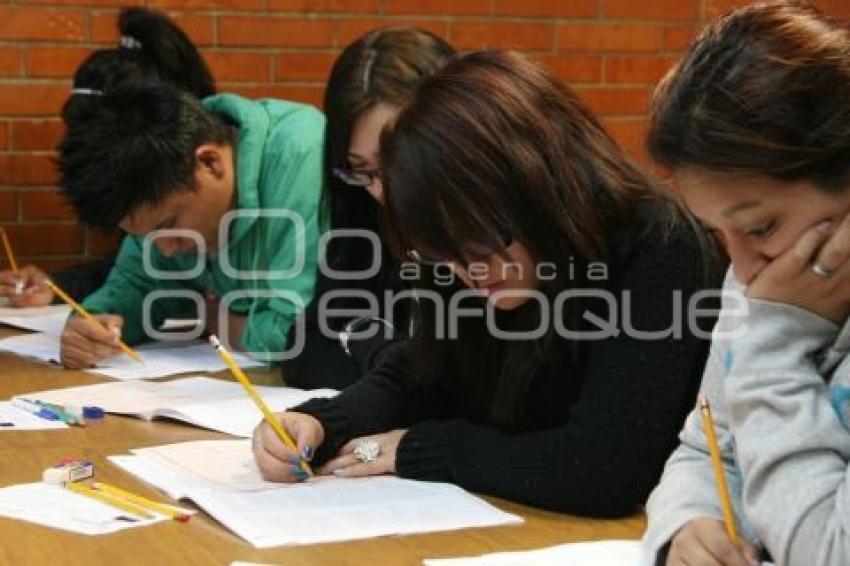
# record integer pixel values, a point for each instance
(764, 90)
(384, 66)
(493, 149)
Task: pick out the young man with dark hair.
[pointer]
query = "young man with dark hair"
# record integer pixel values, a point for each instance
(235, 186)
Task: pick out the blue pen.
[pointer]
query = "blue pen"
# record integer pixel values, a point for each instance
(34, 409)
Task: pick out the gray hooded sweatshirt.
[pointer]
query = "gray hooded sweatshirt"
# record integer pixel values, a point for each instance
(778, 379)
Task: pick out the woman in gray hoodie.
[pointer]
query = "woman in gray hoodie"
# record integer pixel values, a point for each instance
(754, 123)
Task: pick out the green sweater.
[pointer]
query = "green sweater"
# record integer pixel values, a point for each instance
(278, 167)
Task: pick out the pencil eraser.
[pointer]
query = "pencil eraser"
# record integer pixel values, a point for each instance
(66, 471)
(56, 476)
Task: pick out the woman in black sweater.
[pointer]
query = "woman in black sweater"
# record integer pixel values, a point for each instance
(500, 176)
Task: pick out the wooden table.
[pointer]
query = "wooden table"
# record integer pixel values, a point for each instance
(24, 454)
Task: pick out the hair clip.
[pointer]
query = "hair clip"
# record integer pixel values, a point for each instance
(86, 91)
(129, 42)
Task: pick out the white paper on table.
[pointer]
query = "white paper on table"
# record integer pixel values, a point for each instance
(161, 358)
(24, 420)
(325, 509)
(200, 401)
(607, 552)
(38, 345)
(180, 324)
(50, 319)
(57, 507)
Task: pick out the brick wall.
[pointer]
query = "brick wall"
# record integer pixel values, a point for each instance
(610, 51)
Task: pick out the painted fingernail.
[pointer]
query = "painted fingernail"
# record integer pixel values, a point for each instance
(294, 460)
(301, 475)
(339, 472)
(308, 452)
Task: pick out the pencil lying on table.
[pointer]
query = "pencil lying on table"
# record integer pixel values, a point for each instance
(85, 314)
(252, 393)
(176, 513)
(719, 476)
(109, 499)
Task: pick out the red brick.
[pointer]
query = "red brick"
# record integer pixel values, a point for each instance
(31, 24)
(615, 101)
(208, 4)
(81, 3)
(546, 8)
(32, 98)
(531, 37)
(44, 205)
(27, 169)
(298, 93)
(609, 37)
(239, 66)
(287, 32)
(199, 27)
(641, 70)
(348, 30)
(36, 135)
(8, 205)
(59, 62)
(651, 9)
(303, 66)
(101, 243)
(438, 7)
(10, 62)
(54, 265)
(570, 68)
(630, 133)
(336, 6)
(4, 135)
(46, 239)
(678, 38)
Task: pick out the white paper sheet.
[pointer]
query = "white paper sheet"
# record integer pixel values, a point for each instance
(326, 509)
(50, 319)
(161, 358)
(201, 401)
(24, 420)
(606, 552)
(55, 506)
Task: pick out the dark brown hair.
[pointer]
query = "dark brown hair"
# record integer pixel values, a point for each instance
(385, 65)
(492, 149)
(764, 90)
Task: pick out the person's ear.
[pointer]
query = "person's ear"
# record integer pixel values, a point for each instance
(210, 160)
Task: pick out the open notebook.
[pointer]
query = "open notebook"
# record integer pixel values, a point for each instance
(597, 553)
(221, 477)
(210, 403)
(50, 319)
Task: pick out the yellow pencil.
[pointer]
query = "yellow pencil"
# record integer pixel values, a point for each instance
(9, 253)
(83, 313)
(252, 393)
(171, 511)
(719, 476)
(109, 500)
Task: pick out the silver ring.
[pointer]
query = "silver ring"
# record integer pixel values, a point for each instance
(367, 451)
(822, 271)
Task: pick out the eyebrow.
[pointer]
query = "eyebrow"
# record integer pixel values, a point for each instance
(739, 207)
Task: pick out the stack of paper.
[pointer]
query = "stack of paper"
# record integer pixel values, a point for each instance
(201, 401)
(50, 320)
(607, 552)
(221, 477)
(161, 358)
(57, 507)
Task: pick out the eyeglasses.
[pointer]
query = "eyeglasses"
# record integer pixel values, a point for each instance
(357, 177)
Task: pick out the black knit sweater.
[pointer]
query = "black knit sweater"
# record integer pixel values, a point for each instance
(597, 432)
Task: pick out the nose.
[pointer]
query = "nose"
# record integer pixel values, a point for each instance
(167, 246)
(747, 261)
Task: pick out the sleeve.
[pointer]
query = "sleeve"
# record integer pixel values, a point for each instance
(295, 185)
(125, 290)
(82, 280)
(385, 399)
(609, 454)
(793, 450)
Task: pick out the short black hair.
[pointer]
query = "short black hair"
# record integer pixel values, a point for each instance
(136, 148)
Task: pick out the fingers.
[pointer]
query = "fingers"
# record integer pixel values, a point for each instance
(376, 467)
(277, 462)
(806, 248)
(342, 461)
(84, 343)
(704, 542)
(835, 252)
